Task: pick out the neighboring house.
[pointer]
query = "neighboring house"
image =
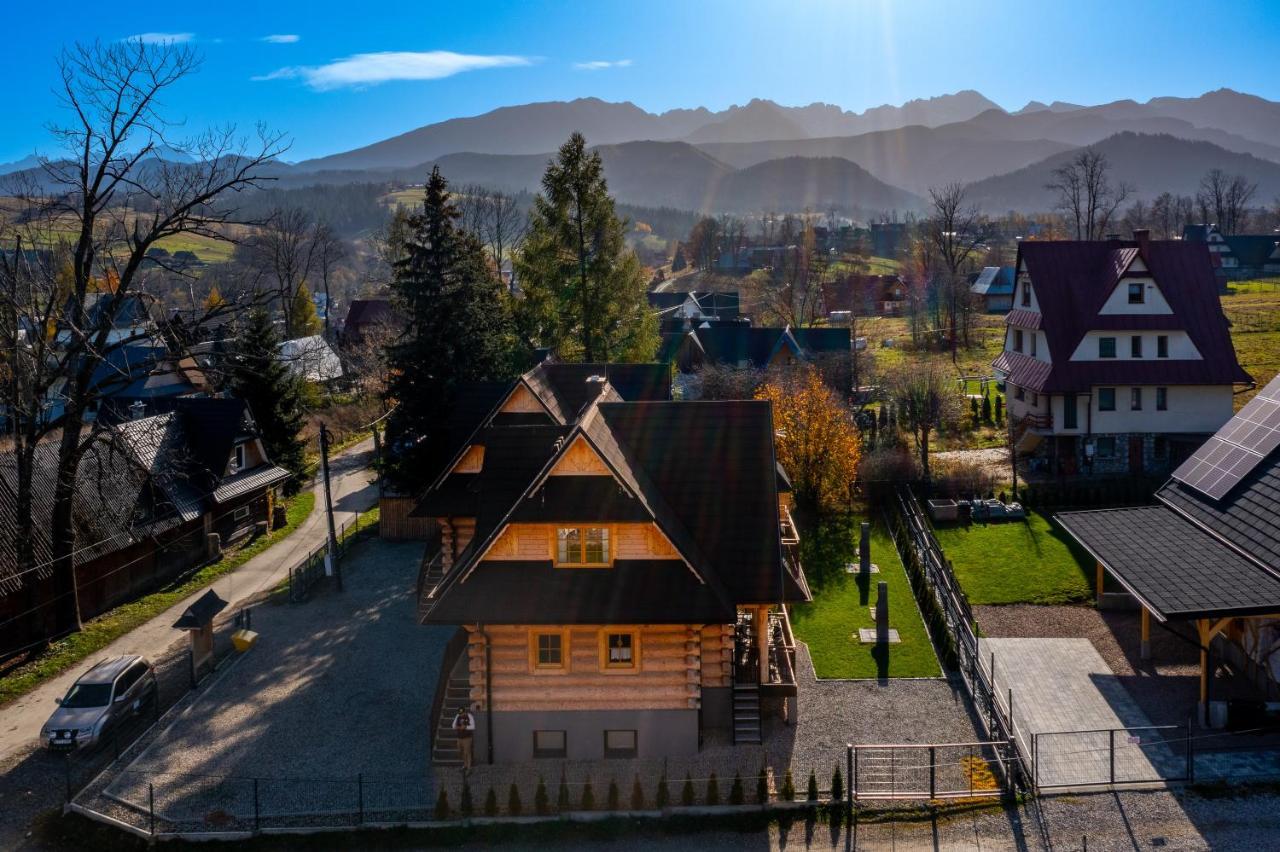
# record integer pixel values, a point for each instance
(619, 570)
(370, 319)
(143, 380)
(682, 311)
(311, 359)
(149, 494)
(1238, 256)
(743, 347)
(748, 259)
(888, 239)
(1208, 554)
(994, 285)
(133, 320)
(863, 295)
(1117, 356)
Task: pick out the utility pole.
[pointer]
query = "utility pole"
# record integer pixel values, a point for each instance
(331, 561)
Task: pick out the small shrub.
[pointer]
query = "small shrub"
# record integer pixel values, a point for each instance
(465, 806)
(562, 795)
(663, 797)
(788, 792)
(614, 797)
(514, 805)
(491, 803)
(442, 804)
(541, 802)
(762, 786)
(588, 797)
(999, 409)
(737, 795)
(687, 796)
(837, 785)
(986, 409)
(713, 790)
(637, 795)
(811, 793)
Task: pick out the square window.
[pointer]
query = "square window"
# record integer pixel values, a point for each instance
(582, 546)
(620, 744)
(1106, 347)
(1162, 346)
(548, 650)
(549, 744)
(1135, 399)
(619, 650)
(1135, 346)
(1137, 293)
(1106, 399)
(1162, 399)
(1107, 447)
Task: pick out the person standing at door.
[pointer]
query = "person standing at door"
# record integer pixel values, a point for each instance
(464, 725)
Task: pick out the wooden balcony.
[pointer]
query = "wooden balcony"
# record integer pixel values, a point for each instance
(1037, 421)
(788, 529)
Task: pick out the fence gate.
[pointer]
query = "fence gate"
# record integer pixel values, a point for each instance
(1111, 756)
(930, 771)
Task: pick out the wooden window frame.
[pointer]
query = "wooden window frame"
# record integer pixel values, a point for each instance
(538, 668)
(582, 530)
(607, 667)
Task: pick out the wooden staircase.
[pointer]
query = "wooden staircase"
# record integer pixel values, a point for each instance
(457, 694)
(746, 713)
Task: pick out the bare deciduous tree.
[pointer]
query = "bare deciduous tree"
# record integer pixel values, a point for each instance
(1224, 200)
(283, 253)
(1086, 194)
(925, 397)
(329, 251)
(956, 231)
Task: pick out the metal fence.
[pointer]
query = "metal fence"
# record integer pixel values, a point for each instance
(305, 575)
(1109, 756)
(928, 772)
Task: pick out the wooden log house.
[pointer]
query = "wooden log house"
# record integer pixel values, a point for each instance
(617, 564)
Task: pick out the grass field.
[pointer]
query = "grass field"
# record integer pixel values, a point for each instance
(1030, 561)
(842, 603)
(105, 629)
(1254, 310)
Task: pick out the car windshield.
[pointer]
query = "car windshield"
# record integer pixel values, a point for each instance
(88, 695)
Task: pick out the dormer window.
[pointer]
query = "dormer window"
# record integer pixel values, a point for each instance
(582, 547)
(237, 459)
(1137, 293)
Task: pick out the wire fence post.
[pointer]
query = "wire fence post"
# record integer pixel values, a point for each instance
(151, 806)
(933, 773)
(257, 815)
(1035, 762)
(1112, 751)
(851, 759)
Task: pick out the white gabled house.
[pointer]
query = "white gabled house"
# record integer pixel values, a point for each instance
(1117, 355)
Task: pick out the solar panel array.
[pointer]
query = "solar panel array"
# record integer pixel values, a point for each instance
(1236, 449)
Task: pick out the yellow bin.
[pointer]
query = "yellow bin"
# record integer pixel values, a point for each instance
(243, 640)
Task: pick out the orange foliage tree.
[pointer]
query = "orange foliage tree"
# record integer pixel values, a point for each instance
(816, 441)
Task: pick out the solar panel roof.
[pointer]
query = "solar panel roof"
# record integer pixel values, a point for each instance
(1236, 449)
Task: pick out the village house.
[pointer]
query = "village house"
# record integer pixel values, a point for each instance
(1207, 556)
(744, 347)
(618, 565)
(994, 286)
(863, 296)
(683, 311)
(1117, 355)
(1238, 256)
(155, 497)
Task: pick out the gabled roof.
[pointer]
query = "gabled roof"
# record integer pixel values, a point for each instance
(722, 305)
(311, 358)
(734, 344)
(994, 281)
(1254, 249)
(1072, 279)
(369, 311)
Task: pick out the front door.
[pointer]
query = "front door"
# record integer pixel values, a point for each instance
(1135, 455)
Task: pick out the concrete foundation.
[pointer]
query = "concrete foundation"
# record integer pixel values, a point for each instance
(659, 733)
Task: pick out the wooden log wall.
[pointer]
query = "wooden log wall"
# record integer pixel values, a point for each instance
(670, 673)
(394, 521)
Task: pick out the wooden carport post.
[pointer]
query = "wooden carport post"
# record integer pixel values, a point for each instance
(1206, 629)
(1101, 578)
(1144, 651)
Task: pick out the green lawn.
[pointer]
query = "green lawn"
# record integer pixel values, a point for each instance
(842, 603)
(99, 632)
(1030, 561)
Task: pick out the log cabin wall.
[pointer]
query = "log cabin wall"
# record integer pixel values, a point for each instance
(533, 542)
(394, 522)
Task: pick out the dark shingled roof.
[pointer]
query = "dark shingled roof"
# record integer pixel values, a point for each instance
(721, 305)
(1174, 567)
(737, 343)
(1072, 279)
(632, 591)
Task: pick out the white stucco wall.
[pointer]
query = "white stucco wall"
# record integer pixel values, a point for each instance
(1180, 346)
(1118, 301)
(1192, 408)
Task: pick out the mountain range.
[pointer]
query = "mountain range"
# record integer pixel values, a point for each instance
(764, 156)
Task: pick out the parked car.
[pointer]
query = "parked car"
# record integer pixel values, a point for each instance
(109, 694)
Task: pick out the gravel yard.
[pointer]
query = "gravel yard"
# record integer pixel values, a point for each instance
(312, 707)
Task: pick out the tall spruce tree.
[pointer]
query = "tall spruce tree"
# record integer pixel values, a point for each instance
(459, 331)
(583, 289)
(273, 393)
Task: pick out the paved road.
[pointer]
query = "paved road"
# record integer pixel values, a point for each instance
(353, 491)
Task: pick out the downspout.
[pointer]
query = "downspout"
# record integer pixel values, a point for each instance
(488, 693)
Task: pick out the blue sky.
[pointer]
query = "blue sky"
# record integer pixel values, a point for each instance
(333, 76)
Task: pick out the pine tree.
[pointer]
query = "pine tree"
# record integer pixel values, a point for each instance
(583, 289)
(465, 806)
(788, 792)
(491, 803)
(614, 796)
(762, 786)
(837, 785)
(588, 797)
(811, 792)
(737, 795)
(442, 804)
(303, 319)
(687, 796)
(274, 394)
(637, 795)
(514, 806)
(713, 790)
(663, 797)
(541, 803)
(459, 331)
(562, 796)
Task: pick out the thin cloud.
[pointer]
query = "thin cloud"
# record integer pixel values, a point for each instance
(282, 38)
(601, 64)
(160, 38)
(370, 69)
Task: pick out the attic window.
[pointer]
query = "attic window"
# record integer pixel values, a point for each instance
(582, 547)
(1026, 294)
(237, 461)
(1137, 293)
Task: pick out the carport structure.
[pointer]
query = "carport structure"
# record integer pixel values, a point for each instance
(1209, 552)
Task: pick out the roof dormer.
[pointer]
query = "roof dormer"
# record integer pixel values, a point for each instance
(1135, 291)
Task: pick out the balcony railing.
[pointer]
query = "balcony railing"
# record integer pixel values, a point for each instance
(790, 532)
(1037, 421)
